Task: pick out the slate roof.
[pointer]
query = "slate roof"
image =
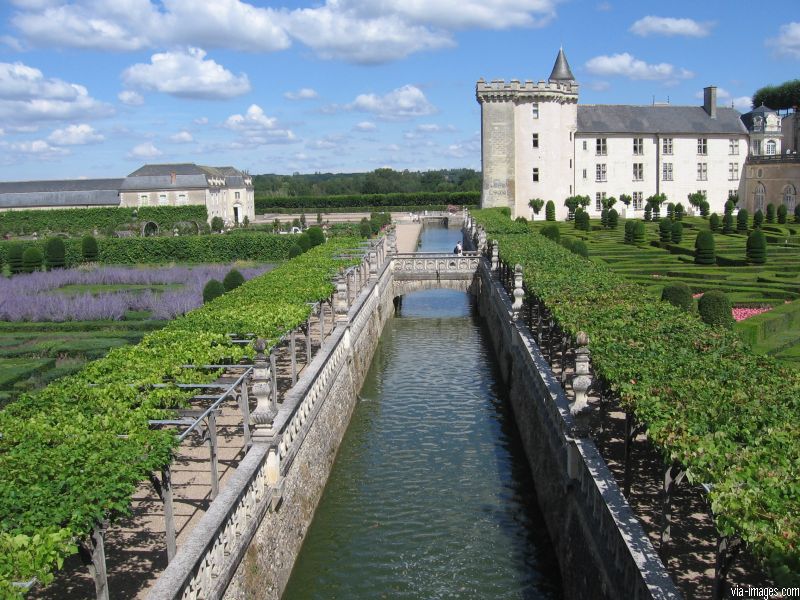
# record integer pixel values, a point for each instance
(60, 193)
(762, 110)
(561, 70)
(163, 182)
(612, 118)
(187, 176)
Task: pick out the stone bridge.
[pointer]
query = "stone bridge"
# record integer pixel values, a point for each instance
(417, 271)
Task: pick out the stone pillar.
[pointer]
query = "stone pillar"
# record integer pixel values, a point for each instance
(519, 294)
(481, 240)
(581, 382)
(495, 255)
(391, 240)
(266, 409)
(340, 300)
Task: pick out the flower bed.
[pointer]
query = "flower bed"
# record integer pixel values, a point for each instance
(741, 313)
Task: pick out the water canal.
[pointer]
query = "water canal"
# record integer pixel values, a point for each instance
(430, 495)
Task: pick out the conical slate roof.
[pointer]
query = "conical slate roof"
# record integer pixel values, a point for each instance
(561, 70)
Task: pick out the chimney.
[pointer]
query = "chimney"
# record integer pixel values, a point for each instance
(710, 101)
(172, 177)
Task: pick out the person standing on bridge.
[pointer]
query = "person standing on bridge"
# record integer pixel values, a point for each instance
(458, 249)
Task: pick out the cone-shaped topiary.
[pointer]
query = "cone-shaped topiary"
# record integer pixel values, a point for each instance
(756, 247)
(551, 232)
(677, 232)
(741, 220)
(770, 213)
(629, 225)
(704, 208)
(713, 222)
(729, 206)
(213, 289)
(316, 235)
(31, 260)
(782, 211)
(54, 253)
(758, 218)
(295, 250)
(550, 211)
(604, 218)
(679, 211)
(715, 309)
(15, 253)
(638, 233)
(232, 280)
(678, 294)
(671, 210)
(727, 223)
(664, 231)
(89, 249)
(704, 248)
(648, 213)
(613, 218)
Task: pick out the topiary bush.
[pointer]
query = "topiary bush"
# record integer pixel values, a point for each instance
(704, 248)
(15, 252)
(704, 208)
(232, 280)
(715, 309)
(213, 289)
(729, 206)
(713, 222)
(629, 225)
(304, 241)
(32, 260)
(295, 251)
(678, 294)
(679, 211)
(550, 211)
(639, 233)
(316, 236)
(741, 220)
(677, 232)
(648, 213)
(664, 231)
(756, 247)
(551, 232)
(782, 212)
(89, 249)
(671, 211)
(727, 223)
(758, 218)
(54, 252)
(217, 224)
(613, 218)
(604, 218)
(770, 213)
(582, 220)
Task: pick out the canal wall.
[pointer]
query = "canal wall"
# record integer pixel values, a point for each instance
(602, 550)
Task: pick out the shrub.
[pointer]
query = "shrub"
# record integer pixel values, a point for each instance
(550, 211)
(520, 219)
(729, 206)
(664, 230)
(629, 226)
(316, 236)
(304, 241)
(782, 211)
(648, 213)
(89, 249)
(582, 220)
(580, 248)
(727, 223)
(613, 218)
(536, 204)
(568, 242)
(741, 220)
(715, 309)
(54, 253)
(15, 252)
(604, 218)
(246, 222)
(758, 219)
(757, 247)
(678, 294)
(679, 211)
(704, 208)
(551, 232)
(217, 224)
(677, 232)
(713, 222)
(638, 232)
(770, 213)
(671, 210)
(704, 248)
(232, 280)
(295, 251)
(213, 289)
(364, 228)
(31, 259)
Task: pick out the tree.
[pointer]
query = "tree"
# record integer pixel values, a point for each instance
(232, 280)
(670, 211)
(695, 198)
(213, 289)
(756, 247)
(613, 218)
(217, 224)
(625, 199)
(54, 252)
(572, 205)
(608, 203)
(648, 213)
(741, 221)
(758, 219)
(536, 205)
(727, 223)
(778, 97)
(713, 222)
(782, 212)
(604, 218)
(704, 208)
(32, 260)
(679, 211)
(729, 206)
(303, 219)
(715, 309)
(15, 252)
(677, 232)
(550, 211)
(770, 213)
(704, 248)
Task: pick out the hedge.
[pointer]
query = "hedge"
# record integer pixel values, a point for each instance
(725, 414)
(356, 209)
(85, 220)
(264, 204)
(190, 249)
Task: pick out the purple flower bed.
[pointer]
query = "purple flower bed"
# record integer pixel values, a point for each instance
(34, 296)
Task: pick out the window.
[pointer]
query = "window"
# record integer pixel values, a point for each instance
(757, 147)
(144, 199)
(638, 198)
(536, 173)
(666, 172)
(535, 140)
(638, 146)
(790, 197)
(181, 199)
(771, 147)
(236, 195)
(584, 144)
(601, 146)
(162, 200)
(758, 197)
(733, 171)
(584, 173)
(600, 172)
(535, 110)
(638, 171)
(598, 201)
(702, 171)
(702, 146)
(732, 193)
(733, 147)
(666, 146)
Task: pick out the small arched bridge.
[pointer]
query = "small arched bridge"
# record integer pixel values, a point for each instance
(429, 270)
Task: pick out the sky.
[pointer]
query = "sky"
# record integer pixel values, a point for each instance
(96, 88)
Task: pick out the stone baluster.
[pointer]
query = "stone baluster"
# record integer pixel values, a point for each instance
(266, 407)
(392, 241)
(581, 382)
(373, 261)
(482, 241)
(519, 294)
(341, 300)
(495, 256)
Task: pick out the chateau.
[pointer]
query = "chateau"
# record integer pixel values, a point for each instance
(538, 142)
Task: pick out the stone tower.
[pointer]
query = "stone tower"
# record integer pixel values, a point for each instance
(527, 137)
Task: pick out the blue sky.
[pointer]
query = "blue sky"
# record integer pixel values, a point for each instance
(94, 88)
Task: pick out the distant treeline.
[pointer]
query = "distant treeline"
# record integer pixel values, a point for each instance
(379, 181)
(362, 201)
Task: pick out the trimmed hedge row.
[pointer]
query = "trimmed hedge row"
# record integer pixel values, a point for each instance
(84, 220)
(73, 454)
(189, 248)
(728, 416)
(362, 202)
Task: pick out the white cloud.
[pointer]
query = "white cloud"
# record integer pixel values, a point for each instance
(257, 128)
(144, 151)
(130, 98)
(186, 75)
(365, 126)
(625, 65)
(301, 94)
(75, 135)
(670, 27)
(39, 149)
(27, 96)
(402, 103)
(201, 121)
(787, 43)
(182, 137)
